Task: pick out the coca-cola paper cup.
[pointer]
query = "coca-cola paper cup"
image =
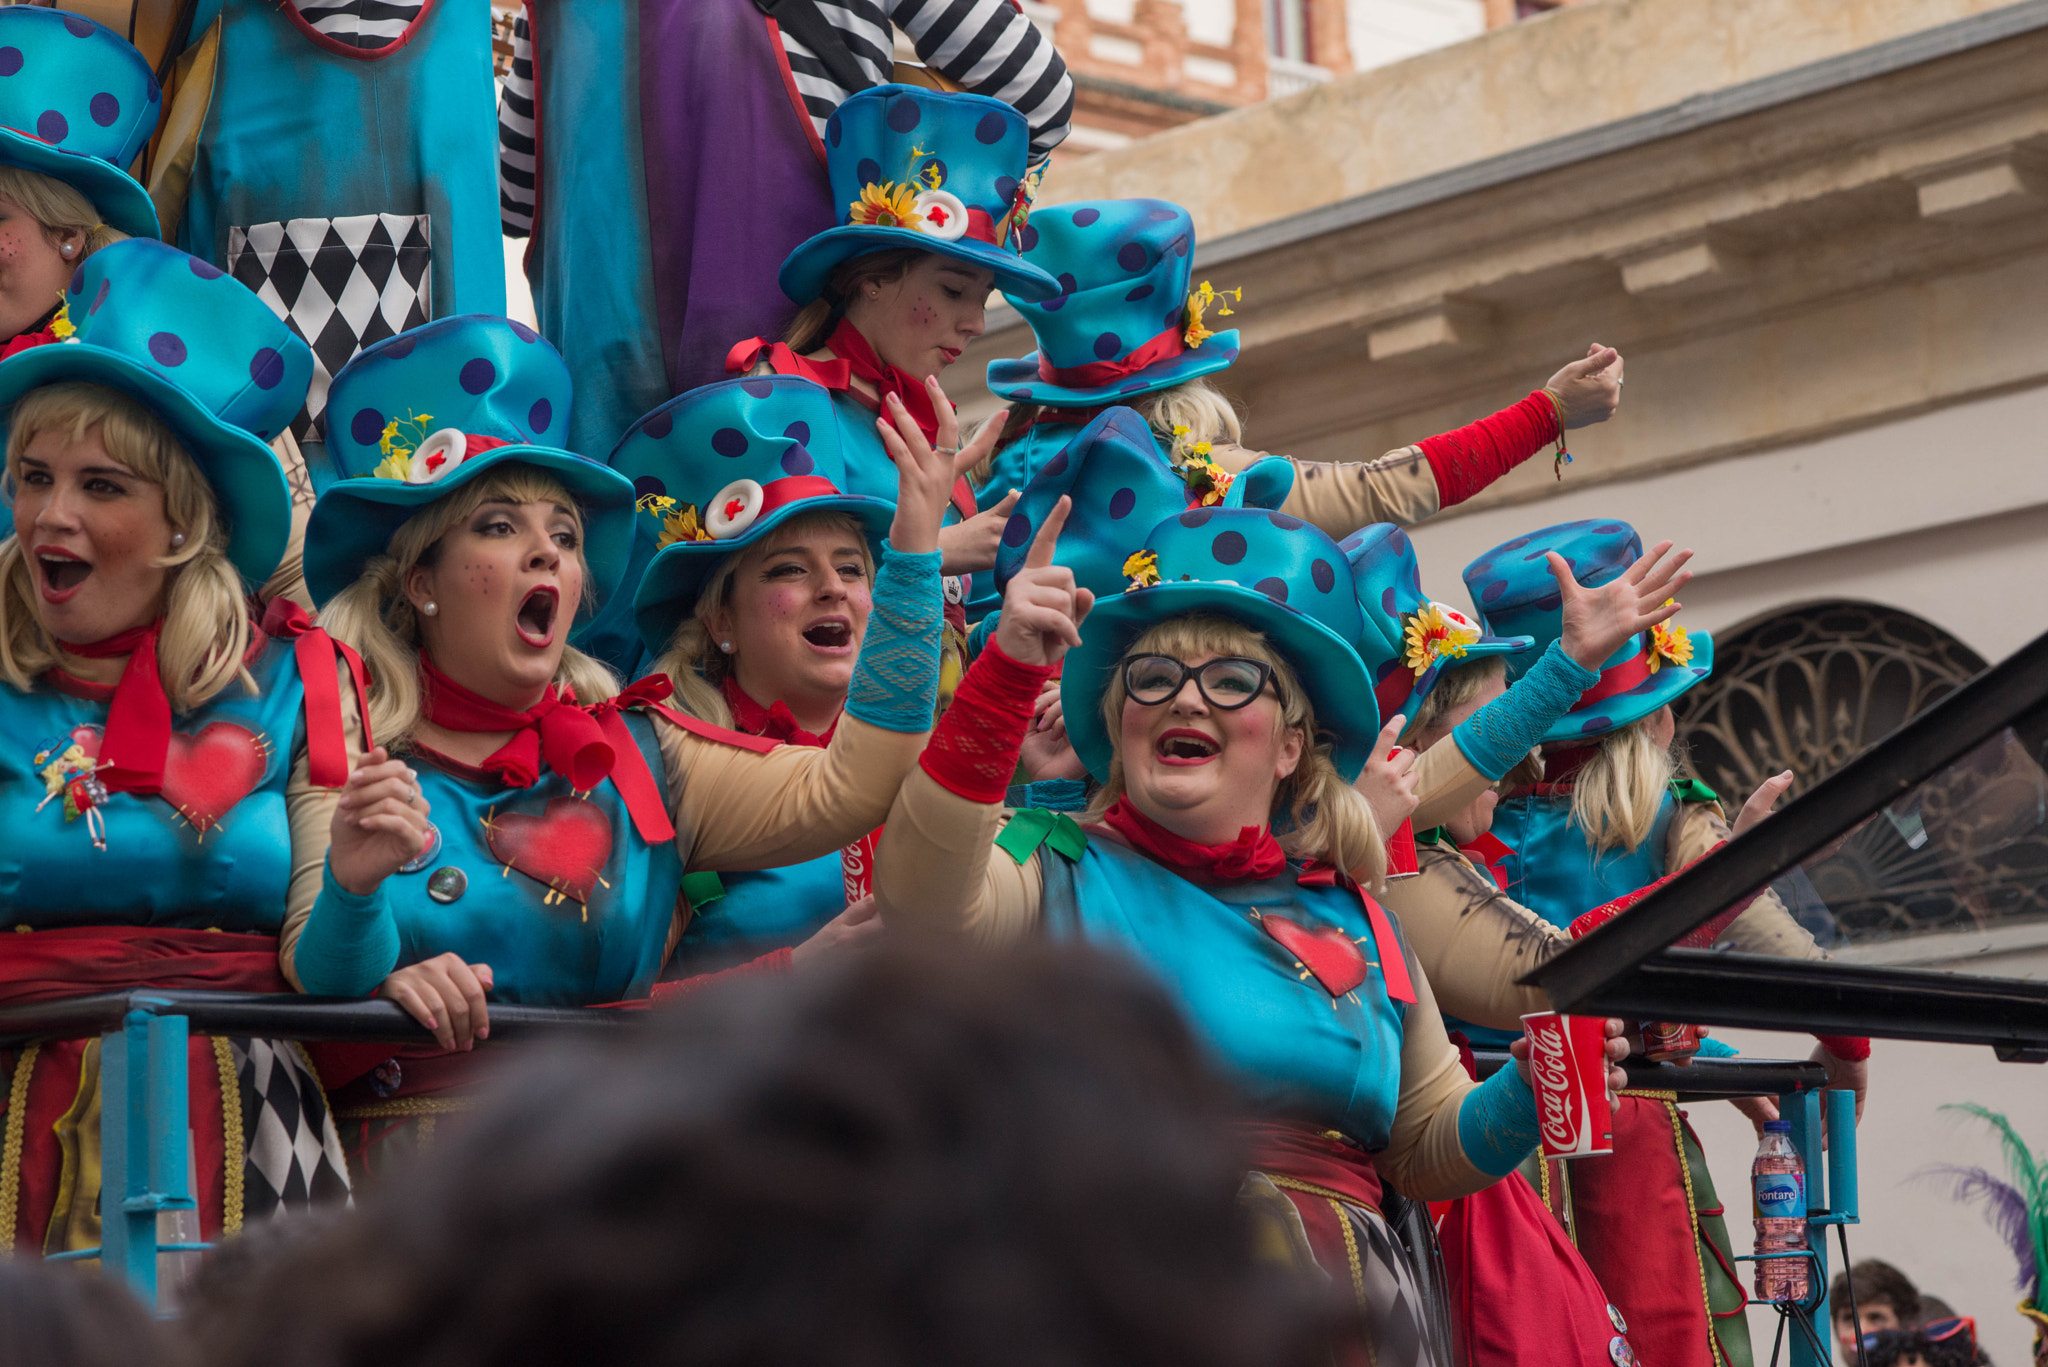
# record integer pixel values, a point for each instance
(1568, 1071)
(1401, 858)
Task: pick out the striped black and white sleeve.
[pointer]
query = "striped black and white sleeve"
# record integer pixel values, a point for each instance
(991, 48)
(515, 137)
(865, 29)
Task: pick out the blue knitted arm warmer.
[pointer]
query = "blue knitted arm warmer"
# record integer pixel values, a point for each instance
(1050, 794)
(1714, 1048)
(896, 682)
(1498, 735)
(1497, 1123)
(350, 943)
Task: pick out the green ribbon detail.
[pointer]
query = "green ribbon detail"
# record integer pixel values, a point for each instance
(1031, 827)
(1692, 790)
(705, 886)
(1435, 835)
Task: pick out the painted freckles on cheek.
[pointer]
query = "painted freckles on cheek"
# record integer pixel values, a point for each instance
(923, 314)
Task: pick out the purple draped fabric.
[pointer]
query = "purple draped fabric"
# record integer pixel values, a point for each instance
(733, 184)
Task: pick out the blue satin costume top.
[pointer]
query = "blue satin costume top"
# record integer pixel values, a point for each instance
(1298, 1052)
(580, 914)
(760, 912)
(223, 862)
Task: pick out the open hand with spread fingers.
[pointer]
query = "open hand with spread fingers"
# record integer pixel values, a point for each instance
(1043, 608)
(1598, 622)
(926, 473)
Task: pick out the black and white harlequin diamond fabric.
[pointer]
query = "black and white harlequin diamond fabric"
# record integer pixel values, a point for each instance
(294, 1151)
(341, 283)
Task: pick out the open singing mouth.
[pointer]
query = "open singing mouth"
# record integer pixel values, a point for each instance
(537, 616)
(62, 571)
(1186, 747)
(832, 634)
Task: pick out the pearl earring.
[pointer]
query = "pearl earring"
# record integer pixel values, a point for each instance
(430, 607)
(177, 540)
(725, 646)
(70, 250)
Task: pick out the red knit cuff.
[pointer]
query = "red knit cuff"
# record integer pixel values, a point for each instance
(973, 750)
(1702, 937)
(1474, 456)
(777, 961)
(1848, 1048)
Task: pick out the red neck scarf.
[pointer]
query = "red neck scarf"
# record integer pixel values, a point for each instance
(774, 720)
(138, 734)
(850, 346)
(586, 745)
(1254, 855)
(782, 361)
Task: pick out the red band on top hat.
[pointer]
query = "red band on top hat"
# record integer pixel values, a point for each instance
(1094, 375)
(1620, 679)
(1392, 693)
(794, 488)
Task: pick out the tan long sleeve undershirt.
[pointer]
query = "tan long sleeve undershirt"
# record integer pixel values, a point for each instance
(1339, 497)
(1766, 927)
(935, 874)
(310, 812)
(1473, 940)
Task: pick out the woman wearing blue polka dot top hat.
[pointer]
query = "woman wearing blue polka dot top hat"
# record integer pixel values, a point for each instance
(933, 193)
(77, 104)
(1605, 814)
(531, 844)
(759, 579)
(1130, 325)
(1222, 706)
(167, 758)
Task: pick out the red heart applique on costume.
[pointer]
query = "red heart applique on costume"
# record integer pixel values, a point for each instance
(204, 775)
(1325, 951)
(565, 847)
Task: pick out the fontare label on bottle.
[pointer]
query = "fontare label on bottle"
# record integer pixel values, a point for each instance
(1781, 1195)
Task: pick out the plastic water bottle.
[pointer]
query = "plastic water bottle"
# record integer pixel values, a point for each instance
(1778, 1185)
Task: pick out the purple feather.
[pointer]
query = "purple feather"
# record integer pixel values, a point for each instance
(2002, 1202)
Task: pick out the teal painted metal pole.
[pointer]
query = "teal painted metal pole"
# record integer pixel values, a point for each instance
(1811, 1326)
(144, 1136)
(1843, 1204)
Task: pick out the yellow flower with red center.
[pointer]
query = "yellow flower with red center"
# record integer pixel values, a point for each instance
(887, 205)
(1199, 303)
(1435, 633)
(1208, 479)
(1669, 641)
(1142, 569)
(683, 524)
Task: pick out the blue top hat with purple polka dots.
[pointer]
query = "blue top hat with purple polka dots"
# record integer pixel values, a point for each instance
(1266, 570)
(421, 414)
(938, 171)
(719, 469)
(1124, 322)
(1122, 482)
(205, 355)
(1515, 593)
(77, 103)
(1409, 640)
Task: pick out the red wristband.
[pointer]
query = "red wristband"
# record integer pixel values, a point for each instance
(1474, 456)
(1701, 937)
(1848, 1048)
(973, 750)
(776, 961)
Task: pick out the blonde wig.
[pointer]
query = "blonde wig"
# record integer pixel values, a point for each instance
(692, 661)
(1316, 814)
(374, 615)
(1617, 794)
(59, 207)
(206, 628)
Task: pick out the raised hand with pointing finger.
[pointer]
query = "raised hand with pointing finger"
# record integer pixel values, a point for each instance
(1043, 608)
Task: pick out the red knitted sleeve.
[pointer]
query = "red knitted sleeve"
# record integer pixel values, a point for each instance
(1474, 456)
(973, 750)
(1852, 1048)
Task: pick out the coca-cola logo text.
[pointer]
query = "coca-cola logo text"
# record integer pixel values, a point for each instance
(1557, 1110)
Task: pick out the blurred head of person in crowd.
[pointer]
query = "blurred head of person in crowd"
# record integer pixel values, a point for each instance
(914, 1159)
(1950, 1341)
(1884, 1298)
(53, 1315)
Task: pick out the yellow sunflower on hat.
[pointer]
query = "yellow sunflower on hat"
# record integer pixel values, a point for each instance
(1435, 633)
(1669, 642)
(887, 205)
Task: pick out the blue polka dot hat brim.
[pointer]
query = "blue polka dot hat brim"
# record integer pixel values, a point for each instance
(669, 588)
(119, 197)
(243, 472)
(804, 273)
(1611, 713)
(1336, 680)
(1018, 381)
(355, 519)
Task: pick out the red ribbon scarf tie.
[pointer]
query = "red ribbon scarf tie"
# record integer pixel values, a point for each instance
(555, 735)
(318, 655)
(1254, 855)
(782, 361)
(138, 733)
(849, 345)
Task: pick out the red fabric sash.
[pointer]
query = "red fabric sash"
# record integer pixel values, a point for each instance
(1393, 963)
(746, 355)
(1095, 374)
(1489, 851)
(1254, 855)
(586, 745)
(1619, 679)
(75, 961)
(23, 341)
(316, 653)
(1309, 1155)
(774, 720)
(138, 734)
